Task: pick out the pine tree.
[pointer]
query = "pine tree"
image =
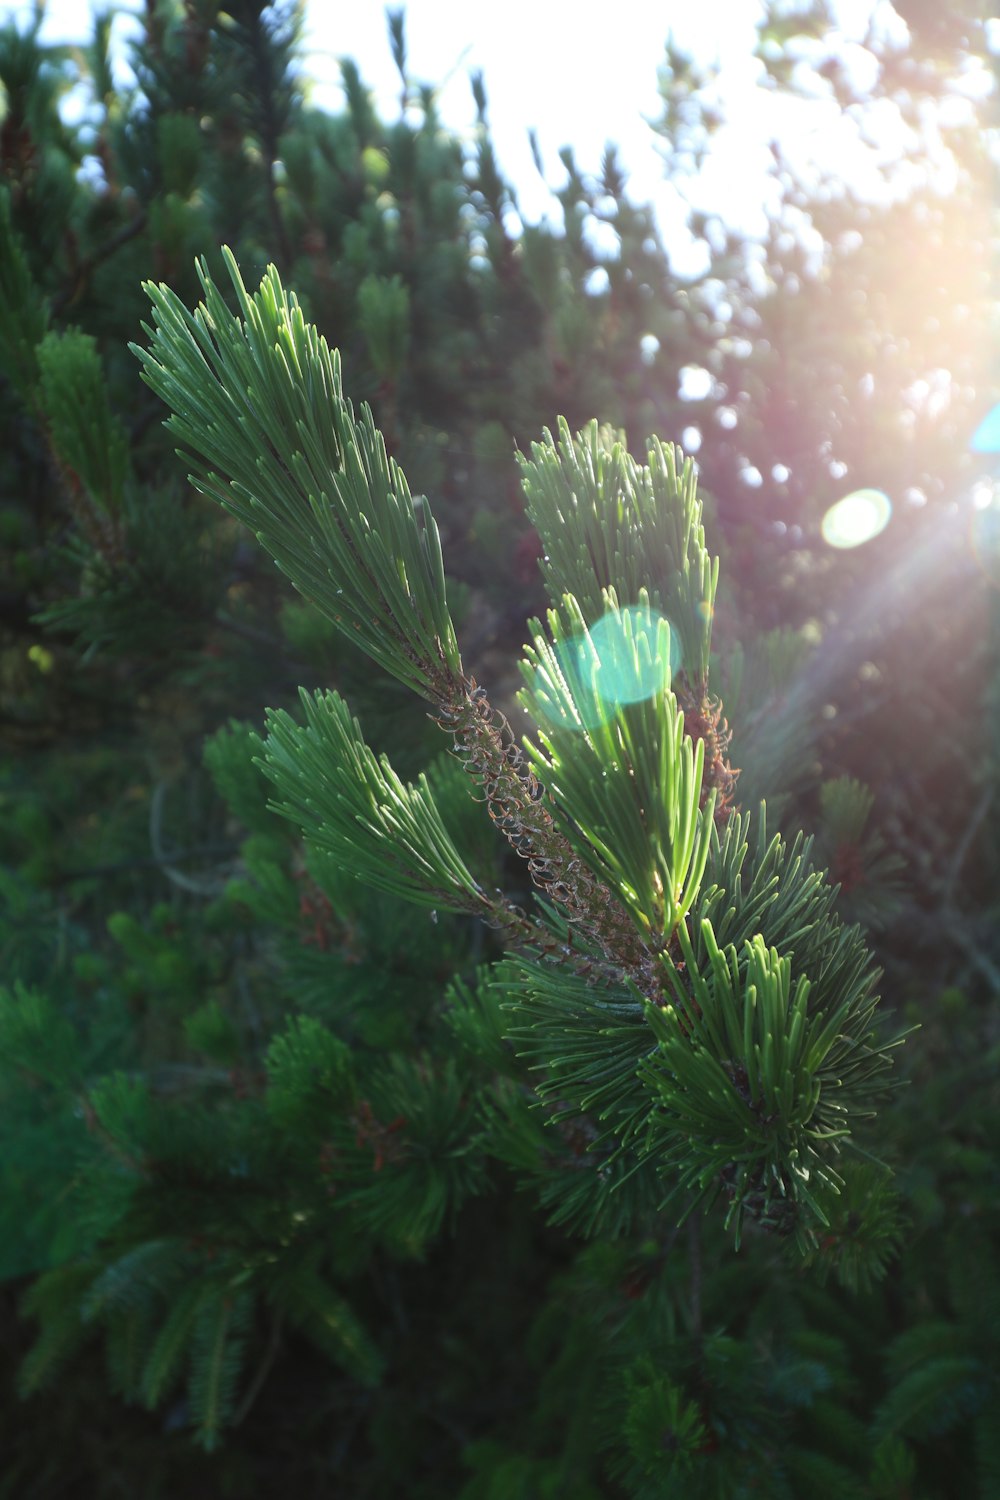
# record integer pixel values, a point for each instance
(701, 1024)
(361, 1158)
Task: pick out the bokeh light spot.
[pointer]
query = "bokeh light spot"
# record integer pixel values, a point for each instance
(986, 438)
(856, 519)
(43, 659)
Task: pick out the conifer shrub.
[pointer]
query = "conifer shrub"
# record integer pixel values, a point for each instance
(436, 1094)
(664, 1035)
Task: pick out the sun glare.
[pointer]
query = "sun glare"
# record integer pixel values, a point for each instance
(856, 519)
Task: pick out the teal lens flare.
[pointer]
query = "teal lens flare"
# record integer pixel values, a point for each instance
(623, 658)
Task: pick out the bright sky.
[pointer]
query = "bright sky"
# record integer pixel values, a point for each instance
(584, 85)
(575, 84)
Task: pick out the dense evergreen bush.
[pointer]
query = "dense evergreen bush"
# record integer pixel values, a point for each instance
(363, 1134)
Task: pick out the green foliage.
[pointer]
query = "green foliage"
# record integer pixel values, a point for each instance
(309, 1074)
(35, 1037)
(750, 876)
(934, 1398)
(664, 1433)
(893, 1468)
(180, 150)
(386, 833)
(165, 1361)
(755, 1085)
(328, 1321)
(335, 511)
(87, 438)
(228, 757)
(866, 1226)
(867, 872)
(23, 315)
(212, 1032)
(767, 692)
(55, 1300)
(753, 1078)
(408, 1134)
(216, 1360)
(606, 522)
(614, 754)
(383, 315)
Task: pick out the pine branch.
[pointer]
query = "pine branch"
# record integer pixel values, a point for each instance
(337, 516)
(521, 810)
(344, 799)
(740, 1083)
(165, 1359)
(607, 522)
(614, 750)
(220, 1333)
(258, 402)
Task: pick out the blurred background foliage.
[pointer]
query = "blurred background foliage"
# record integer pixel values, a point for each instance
(202, 1033)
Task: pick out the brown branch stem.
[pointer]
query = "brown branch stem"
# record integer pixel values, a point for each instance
(520, 808)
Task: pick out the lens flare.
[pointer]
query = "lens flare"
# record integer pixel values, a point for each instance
(856, 519)
(617, 662)
(986, 438)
